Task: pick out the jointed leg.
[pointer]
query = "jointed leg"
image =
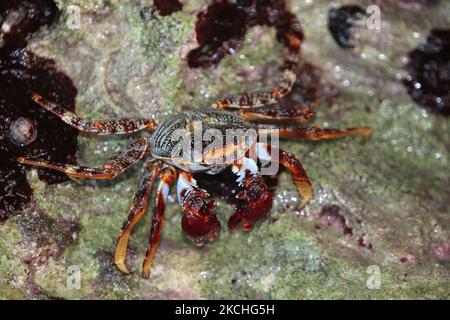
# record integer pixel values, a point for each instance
(168, 176)
(253, 100)
(315, 133)
(270, 153)
(137, 210)
(104, 127)
(256, 106)
(277, 115)
(114, 166)
(291, 35)
(259, 99)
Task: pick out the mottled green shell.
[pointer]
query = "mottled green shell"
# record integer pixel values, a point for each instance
(166, 136)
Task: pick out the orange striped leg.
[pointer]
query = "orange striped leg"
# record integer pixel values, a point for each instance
(277, 115)
(137, 210)
(114, 166)
(300, 178)
(103, 127)
(315, 133)
(259, 99)
(257, 106)
(168, 176)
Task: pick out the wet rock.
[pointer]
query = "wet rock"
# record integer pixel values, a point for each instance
(25, 128)
(428, 82)
(391, 190)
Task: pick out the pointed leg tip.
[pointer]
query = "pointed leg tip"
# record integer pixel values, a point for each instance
(145, 274)
(304, 202)
(366, 139)
(119, 261)
(122, 268)
(146, 266)
(366, 134)
(36, 97)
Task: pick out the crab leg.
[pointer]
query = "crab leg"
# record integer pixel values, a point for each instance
(267, 152)
(254, 99)
(114, 166)
(104, 127)
(277, 115)
(168, 176)
(315, 133)
(255, 107)
(264, 98)
(137, 210)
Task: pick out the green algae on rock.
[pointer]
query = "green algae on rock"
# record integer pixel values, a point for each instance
(392, 190)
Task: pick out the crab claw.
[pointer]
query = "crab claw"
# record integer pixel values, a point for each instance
(257, 203)
(198, 222)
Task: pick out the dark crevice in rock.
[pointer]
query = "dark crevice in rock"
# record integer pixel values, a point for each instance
(428, 82)
(26, 129)
(222, 26)
(341, 21)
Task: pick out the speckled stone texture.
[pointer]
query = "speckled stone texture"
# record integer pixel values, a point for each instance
(392, 193)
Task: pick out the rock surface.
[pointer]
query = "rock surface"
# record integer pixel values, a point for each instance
(381, 208)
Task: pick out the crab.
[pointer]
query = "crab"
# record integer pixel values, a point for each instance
(157, 147)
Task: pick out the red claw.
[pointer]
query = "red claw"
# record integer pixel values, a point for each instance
(258, 202)
(199, 223)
